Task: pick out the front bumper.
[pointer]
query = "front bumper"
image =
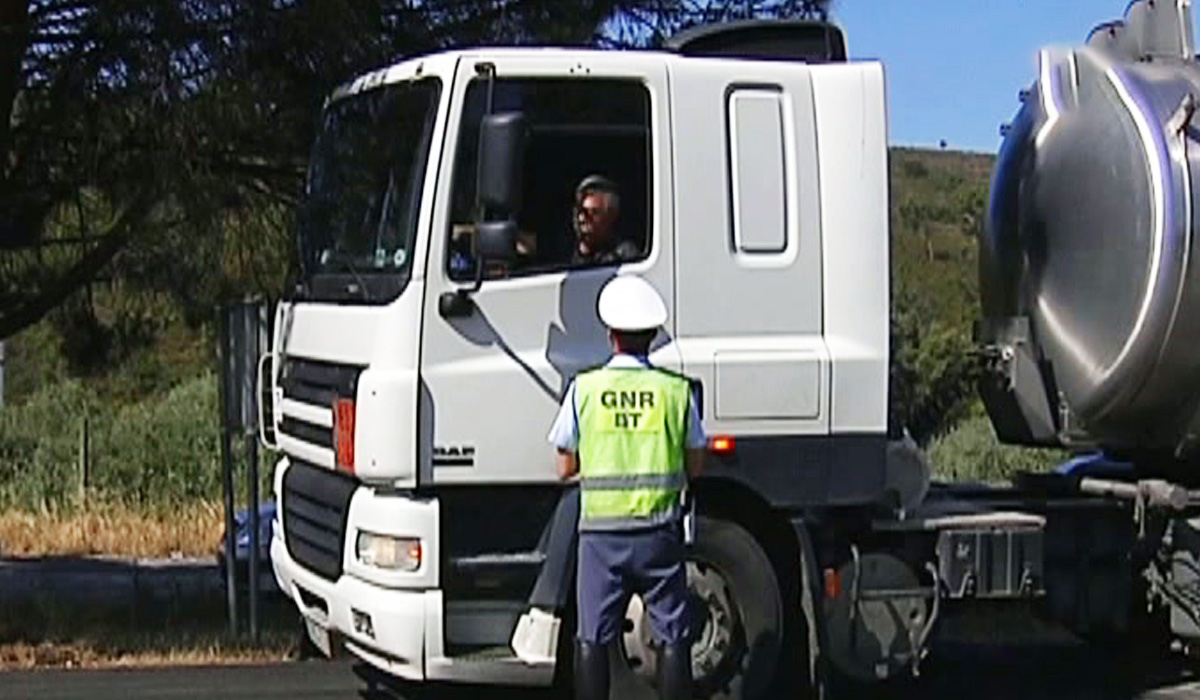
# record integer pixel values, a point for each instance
(393, 620)
(398, 617)
(389, 618)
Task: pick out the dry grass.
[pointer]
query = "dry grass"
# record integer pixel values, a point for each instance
(53, 631)
(190, 530)
(122, 649)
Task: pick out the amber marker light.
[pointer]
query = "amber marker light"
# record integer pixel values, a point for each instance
(833, 584)
(721, 444)
(343, 433)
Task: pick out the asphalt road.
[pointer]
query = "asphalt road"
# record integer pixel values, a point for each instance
(1033, 673)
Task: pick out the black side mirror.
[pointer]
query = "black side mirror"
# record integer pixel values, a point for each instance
(501, 164)
(496, 240)
(501, 170)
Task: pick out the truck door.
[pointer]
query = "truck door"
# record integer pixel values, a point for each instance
(752, 223)
(492, 377)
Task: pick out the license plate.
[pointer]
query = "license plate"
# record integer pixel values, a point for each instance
(319, 636)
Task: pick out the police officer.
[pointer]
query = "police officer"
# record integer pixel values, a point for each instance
(633, 435)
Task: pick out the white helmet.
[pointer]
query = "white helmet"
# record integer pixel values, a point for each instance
(629, 303)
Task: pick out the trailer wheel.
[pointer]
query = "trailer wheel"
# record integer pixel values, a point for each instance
(738, 618)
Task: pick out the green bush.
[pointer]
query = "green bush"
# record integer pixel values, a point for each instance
(972, 453)
(155, 453)
(33, 359)
(39, 445)
(165, 449)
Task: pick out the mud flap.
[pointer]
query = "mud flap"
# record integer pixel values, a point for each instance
(810, 595)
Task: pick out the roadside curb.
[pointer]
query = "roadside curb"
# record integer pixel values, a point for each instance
(109, 582)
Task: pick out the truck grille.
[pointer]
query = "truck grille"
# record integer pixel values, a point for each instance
(303, 430)
(315, 505)
(315, 383)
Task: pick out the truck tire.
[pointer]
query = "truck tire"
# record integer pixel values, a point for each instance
(740, 624)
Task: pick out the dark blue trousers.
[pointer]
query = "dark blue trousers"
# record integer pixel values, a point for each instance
(615, 565)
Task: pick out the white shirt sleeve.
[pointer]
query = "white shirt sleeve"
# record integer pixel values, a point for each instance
(564, 434)
(696, 439)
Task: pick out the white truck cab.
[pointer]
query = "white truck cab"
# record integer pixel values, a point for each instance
(417, 369)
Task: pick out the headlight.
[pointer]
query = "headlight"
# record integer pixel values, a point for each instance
(386, 552)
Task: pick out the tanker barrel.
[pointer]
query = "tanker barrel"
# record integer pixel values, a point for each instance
(1151, 29)
(1097, 174)
(1112, 39)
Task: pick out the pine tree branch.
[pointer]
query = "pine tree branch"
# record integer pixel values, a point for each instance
(118, 233)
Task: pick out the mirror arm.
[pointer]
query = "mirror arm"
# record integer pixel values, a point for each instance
(458, 303)
(478, 281)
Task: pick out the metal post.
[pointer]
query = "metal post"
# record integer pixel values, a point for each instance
(253, 323)
(84, 461)
(227, 469)
(252, 479)
(243, 339)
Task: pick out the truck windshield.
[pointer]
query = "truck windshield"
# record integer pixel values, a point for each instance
(363, 193)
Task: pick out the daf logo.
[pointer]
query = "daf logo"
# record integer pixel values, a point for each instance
(454, 456)
(455, 451)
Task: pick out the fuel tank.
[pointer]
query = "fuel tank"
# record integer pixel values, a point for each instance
(1089, 281)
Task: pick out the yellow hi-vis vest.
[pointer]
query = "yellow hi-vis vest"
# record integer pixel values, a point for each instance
(632, 433)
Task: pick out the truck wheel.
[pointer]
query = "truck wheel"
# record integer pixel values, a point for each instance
(738, 618)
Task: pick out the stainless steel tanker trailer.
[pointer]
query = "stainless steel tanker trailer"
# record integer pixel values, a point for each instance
(1090, 282)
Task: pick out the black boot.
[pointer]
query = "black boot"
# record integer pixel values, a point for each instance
(591, 671)
(675, 672)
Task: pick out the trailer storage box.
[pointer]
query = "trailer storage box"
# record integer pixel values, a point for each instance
(991, 562)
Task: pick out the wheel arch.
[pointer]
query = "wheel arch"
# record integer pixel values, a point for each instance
(734, 501)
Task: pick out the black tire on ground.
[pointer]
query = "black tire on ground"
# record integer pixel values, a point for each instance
(753, 667)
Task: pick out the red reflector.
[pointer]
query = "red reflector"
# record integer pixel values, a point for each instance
(833, 583)
(343, 433)
(721, 444)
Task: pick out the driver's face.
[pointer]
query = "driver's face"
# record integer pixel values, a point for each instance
(594, 216)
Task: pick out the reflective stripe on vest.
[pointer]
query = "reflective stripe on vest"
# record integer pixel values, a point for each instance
(632, 432)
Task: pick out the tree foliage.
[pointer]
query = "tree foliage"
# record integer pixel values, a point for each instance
(938, 204)
(639, 23)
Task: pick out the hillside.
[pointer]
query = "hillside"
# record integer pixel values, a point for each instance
(938, 202)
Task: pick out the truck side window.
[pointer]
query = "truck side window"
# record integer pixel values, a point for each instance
(587, 174)
(758, 171)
